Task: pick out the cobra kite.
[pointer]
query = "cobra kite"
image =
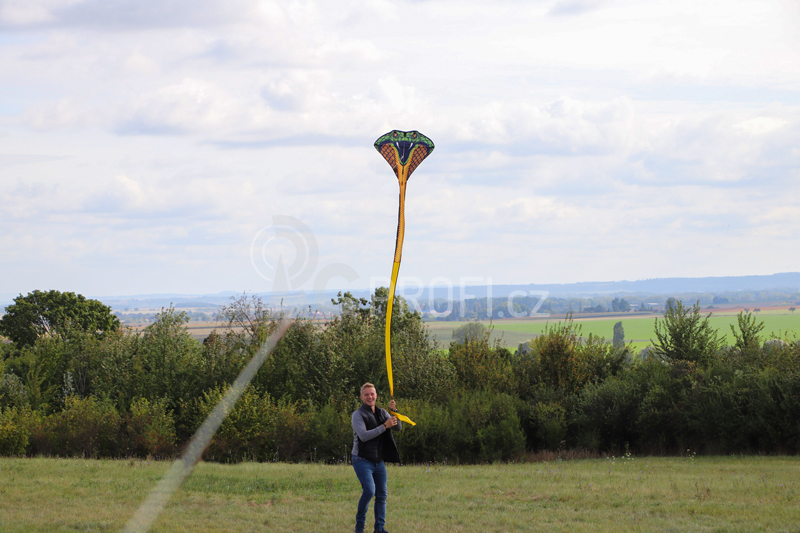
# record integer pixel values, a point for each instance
(404, 151)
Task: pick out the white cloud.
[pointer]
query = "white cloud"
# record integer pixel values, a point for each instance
(761, 125)
(125, 14)
(182, 107)
(575, 140)
(21, 12)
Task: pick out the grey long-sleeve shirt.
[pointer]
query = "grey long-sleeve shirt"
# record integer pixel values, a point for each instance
(360, 430)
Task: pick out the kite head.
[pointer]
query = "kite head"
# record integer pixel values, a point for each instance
(404, 151)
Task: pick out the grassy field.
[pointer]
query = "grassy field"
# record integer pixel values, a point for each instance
(513, 331)
(720, 494)
(639, 330)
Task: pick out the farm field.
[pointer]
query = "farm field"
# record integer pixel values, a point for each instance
(725, 494)
(778, 323)
(512, 332)
(443, 331)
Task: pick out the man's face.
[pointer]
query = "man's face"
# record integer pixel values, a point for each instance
(369, 396)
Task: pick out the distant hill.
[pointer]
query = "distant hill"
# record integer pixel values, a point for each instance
(787, 281)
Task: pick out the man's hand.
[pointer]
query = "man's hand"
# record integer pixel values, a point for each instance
(392, 405)
(390, 423)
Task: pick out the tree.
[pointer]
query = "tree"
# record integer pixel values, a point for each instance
(792, 309)
(402, 316)
(619, 334)
(748, 342)
(471, 331)
(683, 335)
(557, 352)
(350, 304)
(249, 318)
(55, 314)
(620, 305)
(480, 364)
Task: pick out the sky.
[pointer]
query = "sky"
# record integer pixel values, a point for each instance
(199, 146)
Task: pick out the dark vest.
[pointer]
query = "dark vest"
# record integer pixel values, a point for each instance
(382, 447)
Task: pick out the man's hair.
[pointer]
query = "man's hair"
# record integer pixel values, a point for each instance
(368, 385)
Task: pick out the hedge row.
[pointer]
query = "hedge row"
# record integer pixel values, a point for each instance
(132, 394)
(474, 427)
(652, 408)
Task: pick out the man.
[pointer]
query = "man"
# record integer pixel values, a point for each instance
(373, 444)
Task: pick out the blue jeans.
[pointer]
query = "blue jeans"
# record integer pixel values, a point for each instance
(373, 483)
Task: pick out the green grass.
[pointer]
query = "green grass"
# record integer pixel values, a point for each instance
(720, 494)
(443, 331)
(640, 329)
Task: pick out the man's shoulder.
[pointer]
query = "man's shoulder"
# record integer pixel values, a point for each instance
(359, 413)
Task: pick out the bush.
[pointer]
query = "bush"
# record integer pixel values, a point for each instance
(713, 414)
(477, 403)
(550, 425)
(291, 436)
(654, 421)
(472, 331)
(423, 373)
(540, 403)
(13, 432)
(301, 367)
(742, 412)
(87, 427)
(119, 375)
(13, 392)
(775, 411)
(433, 438)
(605, 415)
(783, 358)
(480, 366)
(41, 368)
(683, 335)
(748, 341)
(471, 427)
(332, 434)
(243, 434)
(559, 361)
(491, 424)
(601, 359)
(663, 385)
(168, 360)
(257, 428)
(150, 429)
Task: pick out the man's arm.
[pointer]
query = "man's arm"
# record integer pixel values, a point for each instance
(399, 426)
(360, 428)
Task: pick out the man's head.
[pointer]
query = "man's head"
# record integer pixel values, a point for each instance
(368, 394)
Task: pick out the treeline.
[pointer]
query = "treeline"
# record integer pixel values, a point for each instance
(500, 307)
(140, 318)
(124, 393)
(520, 306)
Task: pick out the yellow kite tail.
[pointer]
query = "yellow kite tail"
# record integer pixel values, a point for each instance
(403, 418)
(402, 176)
(388, 335)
